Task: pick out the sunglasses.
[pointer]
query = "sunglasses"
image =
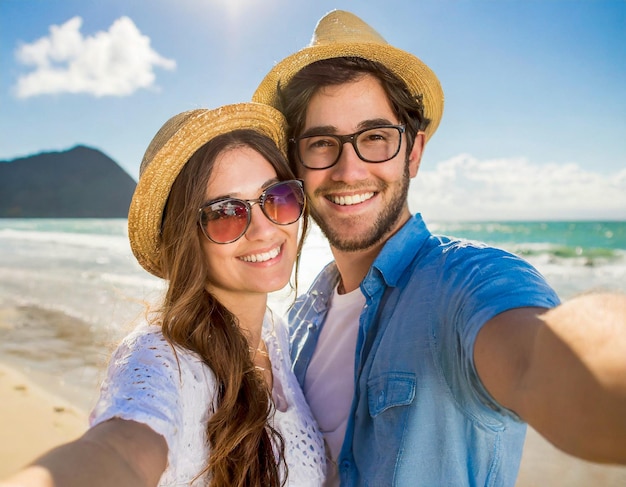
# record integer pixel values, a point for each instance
(226, 220)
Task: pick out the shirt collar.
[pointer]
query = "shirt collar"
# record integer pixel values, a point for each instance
(398, 252)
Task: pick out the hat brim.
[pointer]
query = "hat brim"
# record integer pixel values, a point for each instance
(191, 130)
(418, 77)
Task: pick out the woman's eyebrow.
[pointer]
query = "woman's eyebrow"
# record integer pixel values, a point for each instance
(263, 186)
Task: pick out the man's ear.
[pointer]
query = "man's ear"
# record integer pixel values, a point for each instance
(415, 156)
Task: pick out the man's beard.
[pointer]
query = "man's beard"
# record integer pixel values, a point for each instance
(385, 222)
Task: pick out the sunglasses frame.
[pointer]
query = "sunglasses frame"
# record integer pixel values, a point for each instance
(248, 203)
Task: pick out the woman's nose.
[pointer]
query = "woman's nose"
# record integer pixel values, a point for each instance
(260, 226)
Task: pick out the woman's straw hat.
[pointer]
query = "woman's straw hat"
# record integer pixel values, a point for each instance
(173, 145)
(342, 34)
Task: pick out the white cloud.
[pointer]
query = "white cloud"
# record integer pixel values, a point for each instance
(465, 188)
(116, 62)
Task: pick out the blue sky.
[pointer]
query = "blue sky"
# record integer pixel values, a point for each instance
(534, 125)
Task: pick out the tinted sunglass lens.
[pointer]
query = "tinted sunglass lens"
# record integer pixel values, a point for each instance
(284, 203)
(225, 221)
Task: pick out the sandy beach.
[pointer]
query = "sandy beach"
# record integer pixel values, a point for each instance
(32, 420)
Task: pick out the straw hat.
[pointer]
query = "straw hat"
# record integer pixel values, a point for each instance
(342, 34)
(173, 145)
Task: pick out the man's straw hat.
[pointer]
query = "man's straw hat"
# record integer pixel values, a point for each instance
(342, 34)
(173, 145)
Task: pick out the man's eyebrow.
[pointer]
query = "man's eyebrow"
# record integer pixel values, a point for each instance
(320, 130)
(332, 130)
(375, 122)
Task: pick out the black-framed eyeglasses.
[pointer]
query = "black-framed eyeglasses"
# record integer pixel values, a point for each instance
(373, 144)
(227, 219)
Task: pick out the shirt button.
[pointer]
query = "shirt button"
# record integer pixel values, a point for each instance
(345, 465)
(381, 397)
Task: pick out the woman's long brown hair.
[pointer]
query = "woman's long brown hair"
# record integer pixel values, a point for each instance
(245, 450)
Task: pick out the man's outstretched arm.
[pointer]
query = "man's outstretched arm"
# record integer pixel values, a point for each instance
(563, 371)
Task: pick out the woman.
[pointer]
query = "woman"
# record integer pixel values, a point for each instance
(202, 394)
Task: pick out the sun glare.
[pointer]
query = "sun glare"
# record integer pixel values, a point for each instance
(234, 8)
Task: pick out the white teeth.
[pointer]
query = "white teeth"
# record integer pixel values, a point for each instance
(265, 256)
(351, 200)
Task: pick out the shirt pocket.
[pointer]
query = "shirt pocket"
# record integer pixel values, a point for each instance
(390, 390)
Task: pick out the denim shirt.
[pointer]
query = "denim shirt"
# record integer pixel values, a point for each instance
(420, 415)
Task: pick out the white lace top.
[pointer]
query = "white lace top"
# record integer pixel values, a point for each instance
(144, 383)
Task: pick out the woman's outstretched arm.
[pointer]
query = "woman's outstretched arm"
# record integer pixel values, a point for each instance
(116, 453)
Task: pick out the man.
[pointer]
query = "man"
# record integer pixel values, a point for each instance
(423, 357)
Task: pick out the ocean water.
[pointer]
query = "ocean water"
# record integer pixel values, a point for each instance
(70, 289)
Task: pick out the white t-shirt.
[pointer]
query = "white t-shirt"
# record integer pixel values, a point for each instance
(329, 382)
(146, 384)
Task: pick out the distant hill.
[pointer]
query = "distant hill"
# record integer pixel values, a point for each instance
(78, 183)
